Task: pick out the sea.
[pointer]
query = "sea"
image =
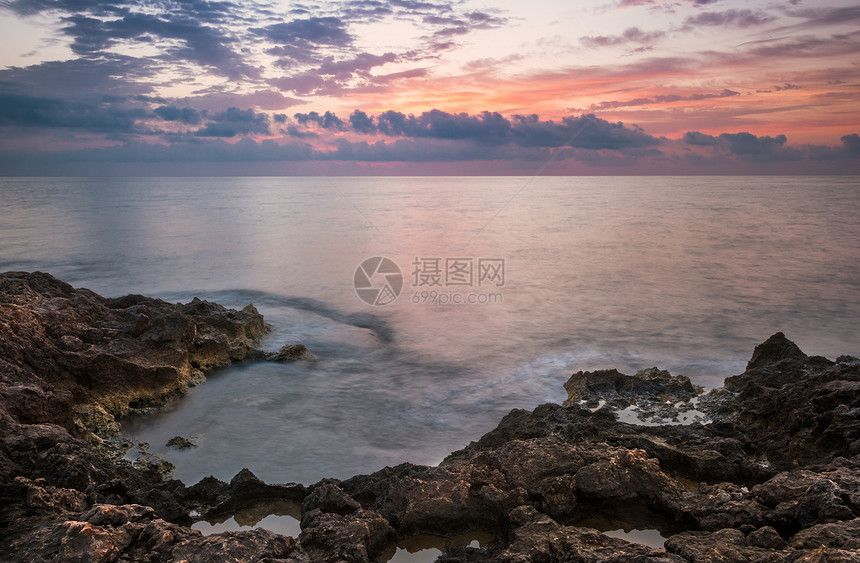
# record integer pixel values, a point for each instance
(434, 306)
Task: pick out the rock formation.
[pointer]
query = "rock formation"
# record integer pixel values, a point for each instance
(773, 474)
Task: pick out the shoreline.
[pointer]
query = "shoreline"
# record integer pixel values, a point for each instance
(772, 475)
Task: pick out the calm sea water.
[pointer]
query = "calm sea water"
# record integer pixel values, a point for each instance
(687, 274)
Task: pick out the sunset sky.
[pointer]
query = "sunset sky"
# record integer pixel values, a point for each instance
(429, 87)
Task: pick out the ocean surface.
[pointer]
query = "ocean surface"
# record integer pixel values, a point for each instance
(506, 286)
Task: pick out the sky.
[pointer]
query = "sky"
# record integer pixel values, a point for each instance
(447, 87)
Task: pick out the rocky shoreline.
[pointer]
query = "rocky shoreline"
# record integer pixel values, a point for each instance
(767, 470)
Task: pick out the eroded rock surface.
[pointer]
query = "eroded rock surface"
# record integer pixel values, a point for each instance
(772, 477)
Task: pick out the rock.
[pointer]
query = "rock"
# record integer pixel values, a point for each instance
(291, 353)
(775, 349)
(767, 538)
(537, 537)
(651, 392)
(360, 537)
(328, 498)
(795, 410)
(839, 535)
(626, 475)
(244, 490)
(775, 476)
(180, 443)
(70, 362)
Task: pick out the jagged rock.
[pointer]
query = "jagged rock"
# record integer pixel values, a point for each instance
(775, 349)
(651, 392)
(244, 490)
(774, 477)
(328, 498)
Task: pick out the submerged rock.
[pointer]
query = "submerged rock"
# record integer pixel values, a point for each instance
(772, 477)
(291, 353)
(180, 443)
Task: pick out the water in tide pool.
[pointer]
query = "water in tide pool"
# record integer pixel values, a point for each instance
(687, 274)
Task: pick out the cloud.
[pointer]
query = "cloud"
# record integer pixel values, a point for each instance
(745, 145)
(669, 5)
(203, 44)
(102, 117)
(361, 64)
(490, 129)
(360, 122)
(630, 35)
(661, 99)
(189, 116)
(485, 128)
(586, 132)
(115, 75)
(328, 120)
(729, 18)
(300, 40)
(851, 145)
(233, 122)
(821, 17)
(220, 101)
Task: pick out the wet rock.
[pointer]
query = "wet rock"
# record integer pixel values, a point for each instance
(180, 443)
(72, 361)
(291, 353)
(216, 498)
(537, 537)
(774, 477)
(359, 537)
(795, 410)
(652, 393)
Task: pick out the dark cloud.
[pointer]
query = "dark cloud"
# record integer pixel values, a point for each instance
(202, 44)
(662, 99)
(300, 40)
(89, 115)
(188, 116)
(233, 122)
(851, 145)
(328, 120)
(360, 122)
(586, 131)
(486, 128)
(630, 35)
(491, 129)
(729, 18)
(32, 7)
(746, 145)
(115, 75)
